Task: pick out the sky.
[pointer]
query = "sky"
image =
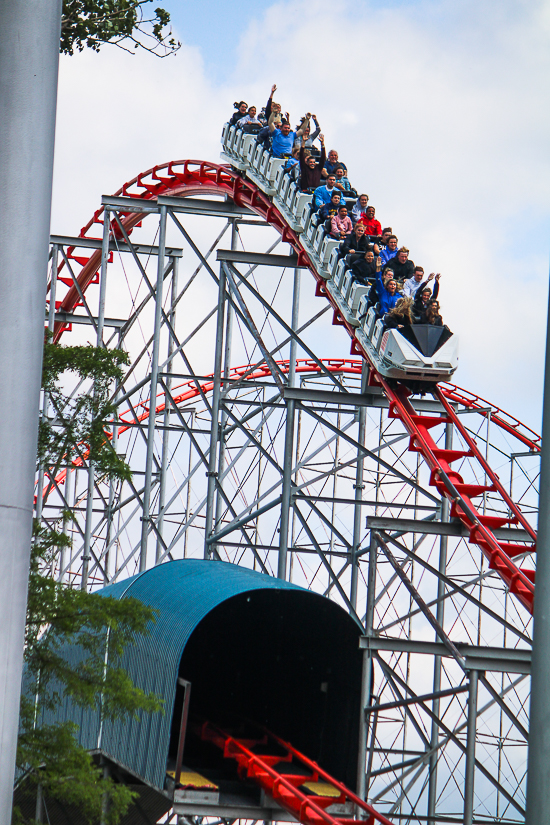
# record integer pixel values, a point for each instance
(439, 109)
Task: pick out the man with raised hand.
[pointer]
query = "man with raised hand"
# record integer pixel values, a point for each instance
(283, 139)
(412, 285)
(310, 169)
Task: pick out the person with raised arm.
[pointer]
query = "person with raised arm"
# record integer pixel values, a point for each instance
(310, 169)
(388, 296)
(308, 137)
(413, 284)
(423, 297)
(384, 276)
(274, 109)
(282, 139)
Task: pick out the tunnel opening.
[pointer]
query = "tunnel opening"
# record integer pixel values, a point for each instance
(286, 660)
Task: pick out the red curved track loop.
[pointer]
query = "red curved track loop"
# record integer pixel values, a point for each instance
(193, 177)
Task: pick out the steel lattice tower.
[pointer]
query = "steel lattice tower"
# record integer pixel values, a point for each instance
(247, 446)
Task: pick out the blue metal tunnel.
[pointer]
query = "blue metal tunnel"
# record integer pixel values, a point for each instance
(253, 647)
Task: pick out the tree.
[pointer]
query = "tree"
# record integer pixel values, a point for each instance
(90, 23)
(49, 755)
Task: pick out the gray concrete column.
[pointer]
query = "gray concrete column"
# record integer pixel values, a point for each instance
(29, 48)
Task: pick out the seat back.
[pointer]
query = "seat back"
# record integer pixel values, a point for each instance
(225, 134)
(358, 291)
(279, 180)
(270, 168)
(326, 249)
(377, 334)
(370, 322)
(340, 274)
(347, 284)
(244, 148)
(301, 209)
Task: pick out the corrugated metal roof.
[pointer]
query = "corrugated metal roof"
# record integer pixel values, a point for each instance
(183, 592)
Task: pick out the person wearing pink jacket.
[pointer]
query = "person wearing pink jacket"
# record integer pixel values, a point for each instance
(340, 224)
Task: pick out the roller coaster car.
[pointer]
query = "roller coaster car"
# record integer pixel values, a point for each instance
(419, 355)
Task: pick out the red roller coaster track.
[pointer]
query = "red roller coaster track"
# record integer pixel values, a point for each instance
(191, 177)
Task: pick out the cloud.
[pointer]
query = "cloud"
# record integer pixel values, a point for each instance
(438, 109)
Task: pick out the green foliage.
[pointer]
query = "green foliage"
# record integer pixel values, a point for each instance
(96, 624)
(89, 23)
(59, 616)
(79, 421)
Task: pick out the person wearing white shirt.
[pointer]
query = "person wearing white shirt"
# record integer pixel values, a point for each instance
(412, 285)
(249, 118)
(360, 207)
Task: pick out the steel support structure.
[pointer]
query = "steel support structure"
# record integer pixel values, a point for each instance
(247, 446)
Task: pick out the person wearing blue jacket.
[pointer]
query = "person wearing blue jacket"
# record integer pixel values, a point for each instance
(324, 193)
(390, 250)
(387, 293)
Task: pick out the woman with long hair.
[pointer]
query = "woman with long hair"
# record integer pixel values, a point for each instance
(432, 315)
(401, 314)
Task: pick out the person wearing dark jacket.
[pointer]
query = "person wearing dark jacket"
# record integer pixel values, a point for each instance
(365, 269)
(310, 169)
(269, 104)
(330, 209)
(355, 245)
(270, 108)
(240, 113)
(402, 267)
(422, 299)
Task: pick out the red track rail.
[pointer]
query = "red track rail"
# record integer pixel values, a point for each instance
(190, 177)
(286, 788)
